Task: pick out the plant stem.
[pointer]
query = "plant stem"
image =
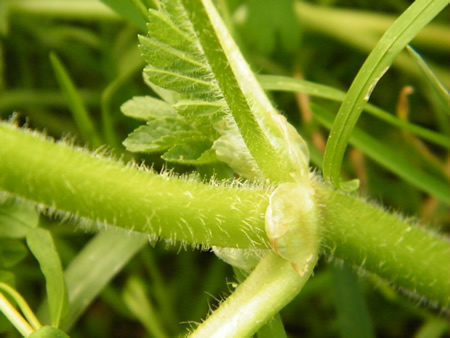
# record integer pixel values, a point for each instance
(14, 316)
(109, 192)
(399, 251)
(81, 9)
(366, 236)
(266, 291)
(22, 304)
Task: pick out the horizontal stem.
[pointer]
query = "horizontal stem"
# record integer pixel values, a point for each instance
(372, 239)
(80, 9)
(100, 189)
(109, 192)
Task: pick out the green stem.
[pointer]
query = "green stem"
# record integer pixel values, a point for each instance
(111, 193)
(249, 106)
(272, 285)
(81, 9)
(372, 239)
(99, 189)
(22, 304)
(14, 316)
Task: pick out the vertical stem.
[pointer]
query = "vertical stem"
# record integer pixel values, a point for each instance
(272, 285)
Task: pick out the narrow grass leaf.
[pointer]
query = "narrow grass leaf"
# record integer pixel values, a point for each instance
(76, 105)
(389, 159)
(437, 86)
(12, 251)
(284, 83)
(353, 314)
(17, 218)
(138, 302)
(133, 11)
(41, 245)
(94, 267)
(390, 45)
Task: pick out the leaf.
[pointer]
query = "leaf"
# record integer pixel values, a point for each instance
(75, 103)
(190, 52)
(193, 151)
(43, 248)
(284, 83)
(353, 314)
(437, 86)
(12, 251)
(138, 302)
(130, 10)
(270, 25)
(17, 218)
(156, 136)
(147, 108)
(390, 45)
(48, 332)
(94, 267)
(384, 155)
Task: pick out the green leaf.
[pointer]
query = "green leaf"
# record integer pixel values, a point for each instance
(269, 25)
(391, 44)
(138, 302)
(147, 108)
(353, 314)
(41, 245)
(193, 151)
(17, 218)
(190, 52)
(75, 103)
(156, 136)
(284, 83)
(384, 155)
(94, 267)
(437, 86)
(48, 332)
(133, 11)
(12, 251)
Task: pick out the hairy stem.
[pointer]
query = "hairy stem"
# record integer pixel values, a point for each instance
(272, 285)
(74, 181)
(108, 192)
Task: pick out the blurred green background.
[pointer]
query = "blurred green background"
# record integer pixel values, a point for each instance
(321, 41)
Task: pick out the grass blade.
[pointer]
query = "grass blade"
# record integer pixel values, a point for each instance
(389, 159)
(353, 315)
(133, 11)
(436, 85)
(138, 302)
(391, 44)
(79, 112)
(94, 267)
(41, 245)
(284, 83)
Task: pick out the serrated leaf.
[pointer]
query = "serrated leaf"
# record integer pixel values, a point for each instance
(180, 82)
(163, 29)
(161, 55)
(190, 108)
(157, 135)
(146, 108)
(192, 151)
(189, 51)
